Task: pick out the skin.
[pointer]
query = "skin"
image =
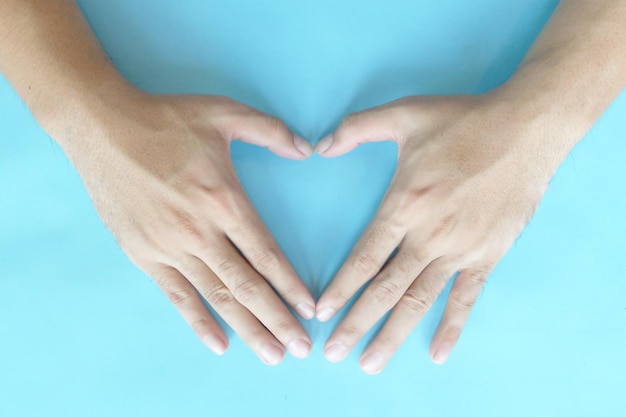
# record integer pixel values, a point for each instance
(471, 173)
(159, 172)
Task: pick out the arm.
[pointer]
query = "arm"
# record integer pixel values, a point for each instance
(572, 73)
(54, 62)
(158, 170)
(471, 172)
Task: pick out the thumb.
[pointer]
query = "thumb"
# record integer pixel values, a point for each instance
(270, 132)
(382, 123)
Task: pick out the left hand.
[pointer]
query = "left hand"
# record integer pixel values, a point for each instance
(470, 174)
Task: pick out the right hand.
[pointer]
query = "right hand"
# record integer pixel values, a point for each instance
(160, 175)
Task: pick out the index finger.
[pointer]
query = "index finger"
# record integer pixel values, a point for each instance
(263, 253)
(255, 294)
(367, 258)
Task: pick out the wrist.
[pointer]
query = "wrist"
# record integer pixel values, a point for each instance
(541, 129)
(81, 114)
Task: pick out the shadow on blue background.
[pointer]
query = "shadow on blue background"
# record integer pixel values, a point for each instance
(83, 332)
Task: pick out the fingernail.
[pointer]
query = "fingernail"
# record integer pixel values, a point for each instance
(441, 355)
(307, 311)
(299, 348)
(373, 363)
(214, 343)
(325, 314)
(302, 145)
(336, 352)
(271, 355)
(323, 145)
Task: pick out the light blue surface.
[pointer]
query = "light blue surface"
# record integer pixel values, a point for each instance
(84, 333)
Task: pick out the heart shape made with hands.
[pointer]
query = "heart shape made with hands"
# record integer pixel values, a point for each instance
(201, 238)
(317, 208)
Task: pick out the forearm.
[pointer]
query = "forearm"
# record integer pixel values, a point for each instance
(574, 70)
(52, 59)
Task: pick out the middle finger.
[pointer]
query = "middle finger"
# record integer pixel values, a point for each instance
(380, 296)
(254, 293)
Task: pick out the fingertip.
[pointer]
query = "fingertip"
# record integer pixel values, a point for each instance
(325, 314)
(271, 354)
(441, 353)
(299, 348)
(305, 310)
(216, 344)
(372, 363)
(303, 146)
(324, 144)
(335, 352)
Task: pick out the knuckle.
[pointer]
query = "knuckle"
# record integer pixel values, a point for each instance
(275, 125)
(385, 229)
(366, 264)
(189, 267)
(220, 199)
(160, 276)
(178, 297)
(477, 277)
(388, 229)
(421, 254)
(226, 268)
(248, 291)
(443, 227)
(403, 113)
(407, 263)
(267, 262)
(186, 225)
(417, 305)
(462, 302)
(414, 196)
(386, 293)
(408, 203)
(350, 121)
(404, 202)
(218, 297)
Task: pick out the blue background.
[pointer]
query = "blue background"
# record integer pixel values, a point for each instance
(84, 333)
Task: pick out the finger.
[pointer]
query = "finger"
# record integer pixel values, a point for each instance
(393, 121)
(263, 253)
(377, 124)
(258, 128)
(369, 255)
(184, 297)
(251, 331)
(255, 294)
(380, 296)
(407, 313)
(463, 296)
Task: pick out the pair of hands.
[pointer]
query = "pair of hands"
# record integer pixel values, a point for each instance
(160, 175)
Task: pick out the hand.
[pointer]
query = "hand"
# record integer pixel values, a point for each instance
(159, 171)
(469, 178)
